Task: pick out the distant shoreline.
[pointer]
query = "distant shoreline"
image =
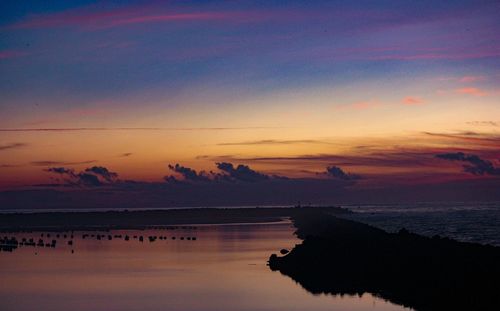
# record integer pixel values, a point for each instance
(143, 219)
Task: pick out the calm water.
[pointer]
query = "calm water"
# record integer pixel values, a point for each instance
(223, 269)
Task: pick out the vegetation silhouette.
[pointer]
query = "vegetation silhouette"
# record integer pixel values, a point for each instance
(339, 256)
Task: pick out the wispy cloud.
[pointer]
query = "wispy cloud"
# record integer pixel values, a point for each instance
(445, 55)
(479, 140)
(411, 100)
(467, 79)
(384, 158)
(8, 165)
(471, 91)
(12, 146)
(483, 123)
(11, 54)
(90, 19)
(274, 142)
(51, 163)
(125, 155)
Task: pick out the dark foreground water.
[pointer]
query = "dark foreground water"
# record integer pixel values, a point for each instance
(223, 269)
(469, 222)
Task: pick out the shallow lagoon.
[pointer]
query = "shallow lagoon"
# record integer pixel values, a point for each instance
(223, 269)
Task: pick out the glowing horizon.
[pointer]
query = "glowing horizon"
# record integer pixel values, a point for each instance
(377, 90)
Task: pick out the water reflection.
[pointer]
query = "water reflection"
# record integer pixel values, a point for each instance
(223, 269)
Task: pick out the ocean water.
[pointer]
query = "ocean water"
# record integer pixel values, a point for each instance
(470, 222)
(223, 269)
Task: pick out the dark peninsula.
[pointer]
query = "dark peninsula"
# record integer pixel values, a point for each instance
(107, 220)
(339, 256)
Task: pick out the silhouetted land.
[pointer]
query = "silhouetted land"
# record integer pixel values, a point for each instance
(339, 256)
(63, 221)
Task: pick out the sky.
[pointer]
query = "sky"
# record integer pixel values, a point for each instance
(271, 101)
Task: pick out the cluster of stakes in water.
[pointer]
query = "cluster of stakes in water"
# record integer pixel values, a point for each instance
(49, 240)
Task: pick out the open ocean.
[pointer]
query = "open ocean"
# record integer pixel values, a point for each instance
(469, 222)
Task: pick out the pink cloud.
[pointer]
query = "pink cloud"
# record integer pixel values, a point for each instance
(410, 100)
(96, 20)
(471, 91)
(466, 79)
(447, 55)
(10, 54)
(89, 19)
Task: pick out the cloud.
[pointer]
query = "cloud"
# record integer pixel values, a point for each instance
(50, 163)
(337, 172)
(483, 123)
(241, 172)
(274, 142)
(90, 19)
(11, 54)
(467, 79)
(478, 140)
(12, 146)
(103, 172)
(188, 174)
(125, 155)
(443, 55)
(61, 171)
(228, 173)
(89, 180)
(380, 158)
(477, 165)
(409, 100)
(111, 18)
(94, 176)
(471, 91)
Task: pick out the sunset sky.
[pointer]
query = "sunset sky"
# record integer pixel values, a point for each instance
(385, 95)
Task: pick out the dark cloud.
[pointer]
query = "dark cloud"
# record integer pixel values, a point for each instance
(274, 142)
(337, 172)
(103, 172)
(389, 158)
(483, 123)
(470, 137)
(124, 155)
(477, 165)
(89, 180)
(61, 170)
(228, 173)
(12, 146)
(241, 172)
(188, 174)
(93, 176)
(8, 165)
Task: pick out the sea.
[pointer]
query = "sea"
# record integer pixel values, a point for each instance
(469, 222)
